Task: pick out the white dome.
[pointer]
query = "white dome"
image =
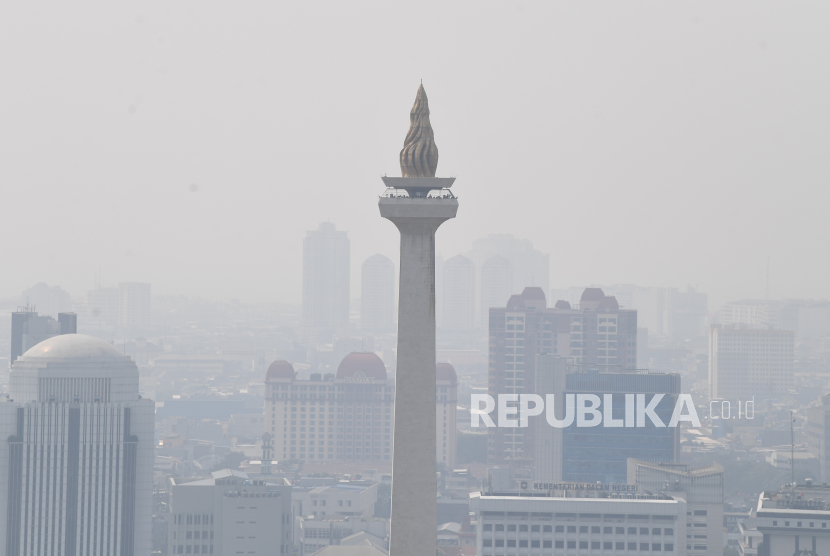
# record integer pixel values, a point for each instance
(72, 346)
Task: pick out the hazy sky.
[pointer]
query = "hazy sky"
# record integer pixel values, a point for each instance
(656, 143)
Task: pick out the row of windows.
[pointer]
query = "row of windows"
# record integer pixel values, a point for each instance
(582, 529)
(594, 545)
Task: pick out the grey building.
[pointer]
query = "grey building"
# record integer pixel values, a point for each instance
(76, 462)
(594, 333)
(29, 329)
(326, 278)
(229, 513)
(377, 294)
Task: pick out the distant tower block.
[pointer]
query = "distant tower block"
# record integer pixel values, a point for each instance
(417, 213)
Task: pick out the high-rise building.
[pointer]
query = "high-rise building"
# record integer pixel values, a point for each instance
(496, 285)
(701, 487)
(134, 305)
(377, 294)
(348, 416)
(817, 430)
(229, 513)
(596, 333)
(29, 329)
(77, 471)
(529, 266)
(47, 300)
(446, 407)
(103, 306)
(591, 454)
(326, 278)
(746, 362)
(579, 519)
(459, 294)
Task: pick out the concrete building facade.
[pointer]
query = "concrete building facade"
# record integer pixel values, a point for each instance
(326, 263)
(534, 523)
(229, 513)
(76, 468)
(745, 362)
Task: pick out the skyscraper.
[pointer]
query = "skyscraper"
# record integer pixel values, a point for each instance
(446, 407)
(595, 333)
(459, 294)
(377, 294)
(77, 468)
(326, 278)
(134, 305)
(29, 329)
(496, 285)
(744, 362)
(417, 203)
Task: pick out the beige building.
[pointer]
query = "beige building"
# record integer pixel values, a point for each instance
(702, 488)
(348, 416)
(746, 362)
(229, 513)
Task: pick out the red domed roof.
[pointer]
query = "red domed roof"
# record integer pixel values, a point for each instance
(445, 371)
(280, 369)
(367, 363)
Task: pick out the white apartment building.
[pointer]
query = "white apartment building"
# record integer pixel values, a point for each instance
(533, 523)
(701, 487)
(76, 463)
(228, 513)
(746, 362)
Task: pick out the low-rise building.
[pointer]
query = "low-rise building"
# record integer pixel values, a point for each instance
(344, 499)
(598, 522)
(793, 521)
(317, 532)
(229, 513)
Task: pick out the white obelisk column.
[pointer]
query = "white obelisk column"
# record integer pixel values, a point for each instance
(414, 485)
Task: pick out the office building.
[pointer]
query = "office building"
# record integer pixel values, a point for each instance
(343, 499)
(134, 306)
(229, 513)
(793, 521)
(700, 487)
(345, 417)
(591, 454)
(496, 285)
(377, 294)
(459, 294)
(817, 431)
(77, 464)
(47, 300)
(578, 518)
(29, 329)
(746, 363)
(446, 406)
(348, 416)
(317, 532)
(103, 306)
(326, 278)
(595, 333)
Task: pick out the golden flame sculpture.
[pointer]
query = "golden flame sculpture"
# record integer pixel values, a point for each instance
(419, 156)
